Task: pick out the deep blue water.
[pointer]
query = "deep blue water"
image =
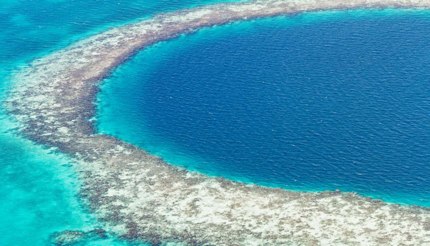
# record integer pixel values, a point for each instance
(311, 102)
(38, 188)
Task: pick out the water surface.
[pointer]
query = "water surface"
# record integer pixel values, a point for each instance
(327, 101)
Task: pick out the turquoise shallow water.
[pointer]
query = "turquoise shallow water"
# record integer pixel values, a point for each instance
(39, 188)
(325, 101)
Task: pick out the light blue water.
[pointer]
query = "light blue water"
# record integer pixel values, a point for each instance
(39, 188)
(313, 102)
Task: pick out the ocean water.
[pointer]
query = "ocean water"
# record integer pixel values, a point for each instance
(39, 188)
(327, 101)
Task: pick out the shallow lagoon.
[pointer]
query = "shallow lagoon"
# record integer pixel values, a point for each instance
(315, 102)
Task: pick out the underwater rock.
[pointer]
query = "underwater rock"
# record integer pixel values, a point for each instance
(72, 237)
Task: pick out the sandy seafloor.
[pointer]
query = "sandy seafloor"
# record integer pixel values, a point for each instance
(38, 187)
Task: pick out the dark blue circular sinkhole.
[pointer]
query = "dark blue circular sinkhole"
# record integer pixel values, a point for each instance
(311, 102)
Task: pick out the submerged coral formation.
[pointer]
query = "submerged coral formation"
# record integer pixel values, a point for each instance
(140, 197)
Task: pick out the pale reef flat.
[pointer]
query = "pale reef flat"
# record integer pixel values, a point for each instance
(140, 197)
